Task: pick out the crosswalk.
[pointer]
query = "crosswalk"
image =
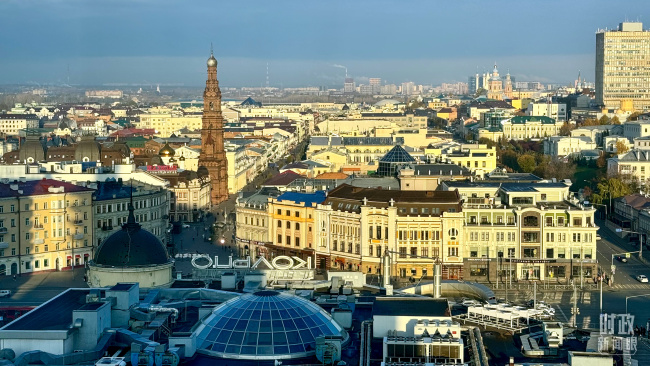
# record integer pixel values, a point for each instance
(636, 286)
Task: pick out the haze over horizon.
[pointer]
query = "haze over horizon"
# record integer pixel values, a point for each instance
(168, 42)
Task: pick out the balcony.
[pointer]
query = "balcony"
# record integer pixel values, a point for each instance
(4, 245)
(78, 236)
(39, 241)
(3, 230)
(38, 226)
(78, 222)
(107, 228)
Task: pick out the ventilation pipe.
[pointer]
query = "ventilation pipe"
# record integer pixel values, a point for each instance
(437, 280)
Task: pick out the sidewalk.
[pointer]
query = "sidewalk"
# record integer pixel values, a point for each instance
(53, 279)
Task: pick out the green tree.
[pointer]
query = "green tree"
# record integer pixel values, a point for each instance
(615, 121)
(526, 163)
(509, 159)
(556, 168)
(610, 188)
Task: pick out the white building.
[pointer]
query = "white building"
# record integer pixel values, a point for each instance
(564, 145)
(557, 111)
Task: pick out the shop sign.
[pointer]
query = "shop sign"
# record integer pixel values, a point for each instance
(282, 262)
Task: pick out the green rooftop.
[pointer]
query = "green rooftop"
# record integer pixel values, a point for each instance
(524, 119)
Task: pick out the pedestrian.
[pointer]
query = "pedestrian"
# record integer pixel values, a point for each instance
(14, 277)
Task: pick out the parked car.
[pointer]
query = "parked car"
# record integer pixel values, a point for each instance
(621, 259)
(642, 278)
(186, 225)
(5, 293)
(598, 237)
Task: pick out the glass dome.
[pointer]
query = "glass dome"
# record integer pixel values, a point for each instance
(265, 325)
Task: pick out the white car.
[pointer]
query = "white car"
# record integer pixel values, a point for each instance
(5, 293)
(185, 226)
(642, 278)
(598, 237)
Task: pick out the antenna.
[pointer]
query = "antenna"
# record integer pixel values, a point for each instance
(267, 76)
(211, 50)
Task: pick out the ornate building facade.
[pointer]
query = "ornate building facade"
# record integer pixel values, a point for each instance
(213, 157)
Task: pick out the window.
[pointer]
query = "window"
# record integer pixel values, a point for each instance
(46, 262)
(279, 239)
(478, 270)
(279, 223)
(26, 206)
(452, 252)
(543, 198)
(473, 252)
(297, 226)
(549, 221)
(13, 251)
(26, 236)
(402, 252)
(288, 213)
(424, 252)
(370, 231)
(370, 250)
(297, 241)
(561, 253)
(414, 210)
(349, 247)
(288, 224)
(378, 232)
(12, 208)
(288, 240)
(530, 253)
(549, 253)
(576, 237)
(577, 221)
(297, 213)
(27, 250)
(414, 252)
(279, 212)
(379, 251)
(13, 222)
(357, 249)
(560, 221)
(335, 245)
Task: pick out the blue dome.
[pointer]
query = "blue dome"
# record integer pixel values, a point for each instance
(266, 325)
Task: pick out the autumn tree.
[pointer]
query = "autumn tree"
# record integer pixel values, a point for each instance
(611, 188)
(556, 168)
(621, 147)
(615, 121)
(634, 116)
(526, 163)
(566, 129)
(604, 120)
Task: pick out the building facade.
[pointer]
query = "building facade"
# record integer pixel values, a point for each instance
(622, 71)
(110, 206)
(525, 231)
(45, 225)
(11, 124)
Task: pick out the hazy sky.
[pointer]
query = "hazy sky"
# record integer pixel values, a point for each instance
(164, 41)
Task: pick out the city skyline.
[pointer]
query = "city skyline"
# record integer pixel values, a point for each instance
(165, 42)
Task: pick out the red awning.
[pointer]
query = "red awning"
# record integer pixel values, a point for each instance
(77, 256)
(69, 257)
(339, 260)
(86, 255)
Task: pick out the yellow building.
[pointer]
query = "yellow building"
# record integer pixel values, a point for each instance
(338, 158)
(530, 127)
(527, 231)
(49, 226)
(291, 224)
(166, 123)
(622, 72)
(478, 158)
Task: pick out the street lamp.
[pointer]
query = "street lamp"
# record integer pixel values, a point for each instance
(629, 297)
(619, 230)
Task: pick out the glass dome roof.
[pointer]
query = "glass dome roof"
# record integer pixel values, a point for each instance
(265, 325)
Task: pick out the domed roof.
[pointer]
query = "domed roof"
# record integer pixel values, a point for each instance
(212, 61)
(166, 150)
(87, 149)
(202, 171)
(32, 149)
(132, 246)
(266, 325)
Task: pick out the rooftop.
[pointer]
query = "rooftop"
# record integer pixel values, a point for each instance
(410, 306)
(309, 199)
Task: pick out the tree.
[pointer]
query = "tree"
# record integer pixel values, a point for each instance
(610, 188)
(634, 116)
(615, 121)
(526, 163)
(621, 147)
(558, 169)
(566, 129)
(586, 192)
(601, 162)
(603, 120)
(509, 159)
(589, 122)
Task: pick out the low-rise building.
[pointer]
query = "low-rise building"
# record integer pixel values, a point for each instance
(530, 127)
(11, 124)
(566, 145)
(634, 164)
(110, 206)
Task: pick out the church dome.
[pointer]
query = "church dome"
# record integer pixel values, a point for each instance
(212, 61)
(87, 149)
(131, 246)
(32, 150)
(166, 151)
(266, 325)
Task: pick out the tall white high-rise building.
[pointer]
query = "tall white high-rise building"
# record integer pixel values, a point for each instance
(623, 67)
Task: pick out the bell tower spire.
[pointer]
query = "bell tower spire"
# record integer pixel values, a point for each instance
(213, 156)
